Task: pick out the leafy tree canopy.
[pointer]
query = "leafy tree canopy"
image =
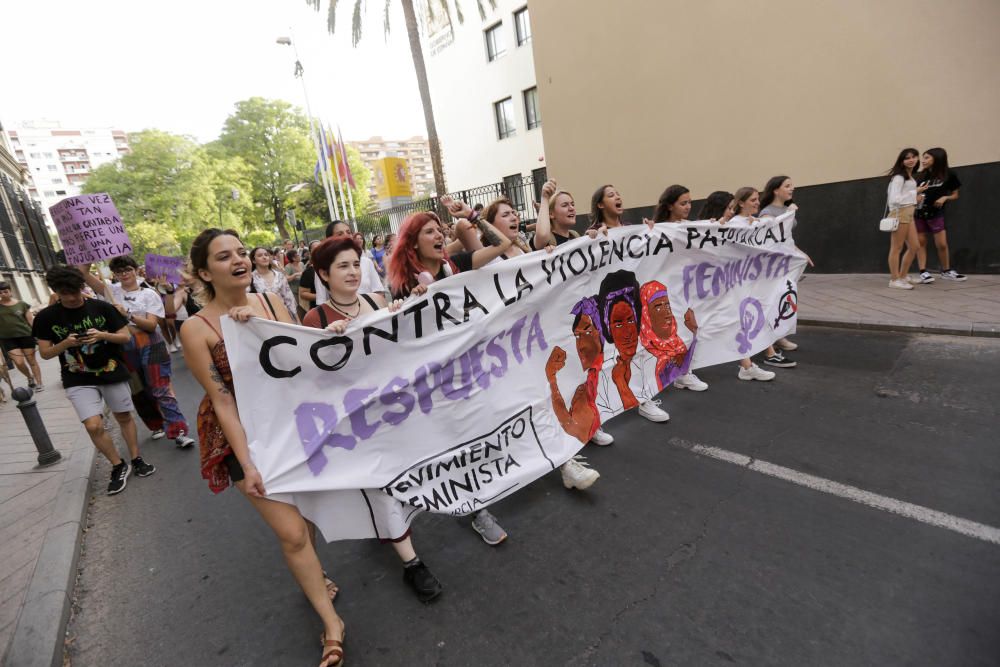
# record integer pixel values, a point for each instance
(272, 137)
(169, 188)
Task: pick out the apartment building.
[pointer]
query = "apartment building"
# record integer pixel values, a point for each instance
(59, 159)
(481, 76)
(25, 247)
(414, 150)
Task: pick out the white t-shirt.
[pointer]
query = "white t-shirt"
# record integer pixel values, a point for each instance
(142, 301)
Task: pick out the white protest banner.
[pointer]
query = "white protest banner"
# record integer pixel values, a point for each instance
(499, 375)
(90, 228)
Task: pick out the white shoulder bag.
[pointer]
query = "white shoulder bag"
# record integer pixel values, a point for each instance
(888, 223)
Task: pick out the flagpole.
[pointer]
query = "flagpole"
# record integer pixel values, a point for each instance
(340, 186)
(300, 74)
(347, 166)
(341, 213)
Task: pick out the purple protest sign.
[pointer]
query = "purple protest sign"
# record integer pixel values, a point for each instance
(90, 228)
(164, 268)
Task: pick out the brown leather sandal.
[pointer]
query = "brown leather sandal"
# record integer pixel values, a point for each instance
(332, 648)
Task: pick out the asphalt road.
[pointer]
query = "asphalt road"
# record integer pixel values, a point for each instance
(672, 558)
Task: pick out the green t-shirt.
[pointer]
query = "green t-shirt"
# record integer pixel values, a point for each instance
(12, 322)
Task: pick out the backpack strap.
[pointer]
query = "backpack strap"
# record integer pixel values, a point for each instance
(370, 301)
(323, 320)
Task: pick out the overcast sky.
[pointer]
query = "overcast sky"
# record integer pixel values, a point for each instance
(180, 66)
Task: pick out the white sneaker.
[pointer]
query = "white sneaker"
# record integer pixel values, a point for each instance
(900, 284)
(157, 434)
(690, 381)
(912, 280)
(602, 438)
(651, 410)
(755, 372)
(173, 348)
(576, 473)
(787, 345)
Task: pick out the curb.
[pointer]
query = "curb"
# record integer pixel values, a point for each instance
(976, 329)
(39, 637)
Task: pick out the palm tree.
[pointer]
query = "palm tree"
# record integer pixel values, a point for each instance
(413, 32)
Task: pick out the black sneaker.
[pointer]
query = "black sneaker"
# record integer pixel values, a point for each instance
(119, 476)
(952, 274)
(779, 360)
(422, 581)
(142, 469)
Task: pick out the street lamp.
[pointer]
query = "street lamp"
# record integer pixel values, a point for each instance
(327, 185)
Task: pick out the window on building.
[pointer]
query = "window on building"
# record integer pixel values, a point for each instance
(514, 190)
(48, 193)
(56, 181)
(48, 155)
(495, 46)
(538, 178)
(35, 155)
(504, 113)
(522, 26)
(532, 114)
(52, 167)
(60, 192)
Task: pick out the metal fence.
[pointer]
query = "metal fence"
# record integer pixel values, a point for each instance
(521, 191)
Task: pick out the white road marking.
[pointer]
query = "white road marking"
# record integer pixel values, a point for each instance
(909, 510)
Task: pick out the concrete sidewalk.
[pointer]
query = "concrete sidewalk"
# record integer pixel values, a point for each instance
(42, 511)
(864, 301)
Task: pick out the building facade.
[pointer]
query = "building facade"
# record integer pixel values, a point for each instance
(482, 82)
(716, 96)
(59, 159)
(26, 249)
(414, 150)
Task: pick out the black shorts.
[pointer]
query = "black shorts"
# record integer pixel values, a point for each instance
(18, 343)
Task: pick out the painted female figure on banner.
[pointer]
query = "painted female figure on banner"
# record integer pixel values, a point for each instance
(621, 311)
(658, 334)
(581, 418)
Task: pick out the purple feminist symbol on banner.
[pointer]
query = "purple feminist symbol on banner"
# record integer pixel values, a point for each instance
(751, 322)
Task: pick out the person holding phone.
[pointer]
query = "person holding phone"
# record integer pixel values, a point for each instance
(88, 336)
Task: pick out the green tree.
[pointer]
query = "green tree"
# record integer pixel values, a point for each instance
(259, 237)
(168, 189)
(272, 137)
(416, 52)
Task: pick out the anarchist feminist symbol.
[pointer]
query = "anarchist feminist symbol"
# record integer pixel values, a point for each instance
(751, 322)
(788, 304)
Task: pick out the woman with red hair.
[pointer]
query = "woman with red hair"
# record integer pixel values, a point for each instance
(420, 258)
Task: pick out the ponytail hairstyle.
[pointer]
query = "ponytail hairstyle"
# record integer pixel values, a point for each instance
(741, 196)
